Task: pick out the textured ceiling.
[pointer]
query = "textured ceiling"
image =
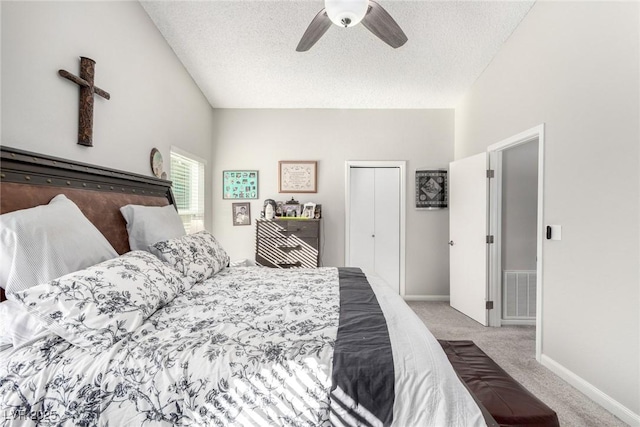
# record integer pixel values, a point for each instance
(242, 53)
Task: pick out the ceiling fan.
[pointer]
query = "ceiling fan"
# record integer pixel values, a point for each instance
(347, 13)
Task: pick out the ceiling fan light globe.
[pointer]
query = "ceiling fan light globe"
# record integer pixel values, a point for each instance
(346, 13)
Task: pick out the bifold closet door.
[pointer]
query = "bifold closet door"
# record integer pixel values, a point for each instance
(361, 219)
(374, 225)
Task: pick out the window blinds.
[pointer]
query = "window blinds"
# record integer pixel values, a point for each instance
(187, 175)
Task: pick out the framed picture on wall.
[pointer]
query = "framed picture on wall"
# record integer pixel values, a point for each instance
(300, 176)
(240, 184)
(241, 213)
(431, 189)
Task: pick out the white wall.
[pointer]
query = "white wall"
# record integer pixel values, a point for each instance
(258, 139)
(520, 206)
(575, 67)
(154, 102)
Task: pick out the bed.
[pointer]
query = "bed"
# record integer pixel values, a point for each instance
(213, 345)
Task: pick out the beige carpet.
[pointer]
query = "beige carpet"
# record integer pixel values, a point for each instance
(513, 348)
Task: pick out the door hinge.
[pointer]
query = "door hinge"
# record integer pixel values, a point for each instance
(489, 305)
(490, 239)
(490, 173)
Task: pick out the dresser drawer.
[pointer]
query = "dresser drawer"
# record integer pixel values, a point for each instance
(288, 245)
(269, 244)
(301, 227)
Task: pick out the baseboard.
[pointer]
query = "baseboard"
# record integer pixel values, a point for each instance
(426, 297)
(518, 322)
(595, 394)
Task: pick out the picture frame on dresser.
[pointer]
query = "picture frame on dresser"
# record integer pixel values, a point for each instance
(291, 210)
(297, 176)
(309, 210)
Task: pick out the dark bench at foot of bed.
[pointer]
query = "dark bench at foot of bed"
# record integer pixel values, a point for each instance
(507, 400)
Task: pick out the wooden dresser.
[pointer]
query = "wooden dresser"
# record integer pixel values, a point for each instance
(288, 243)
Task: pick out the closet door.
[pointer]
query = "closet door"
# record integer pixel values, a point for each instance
(361, 219)
(374, 222)
(387, 226)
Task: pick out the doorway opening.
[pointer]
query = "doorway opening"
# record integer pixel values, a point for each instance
(516, 222)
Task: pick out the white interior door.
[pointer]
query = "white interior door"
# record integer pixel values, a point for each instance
(374, 222)
(387, 226)
(361, 219)
(468, 203)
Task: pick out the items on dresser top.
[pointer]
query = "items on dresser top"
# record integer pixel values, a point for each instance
(292, 209)
(309, 210)
(270, 208)
(57, 235)
(147, 225)
(288, 243)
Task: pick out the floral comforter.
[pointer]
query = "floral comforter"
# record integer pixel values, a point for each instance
(250, 346)
(247, 347)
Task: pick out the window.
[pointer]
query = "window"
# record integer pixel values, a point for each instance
(187, 174)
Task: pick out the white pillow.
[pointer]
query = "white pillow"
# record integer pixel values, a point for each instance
(48, 241)
(17, 325)
(147, 225)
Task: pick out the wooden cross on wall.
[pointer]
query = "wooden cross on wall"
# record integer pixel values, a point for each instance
(87, 89)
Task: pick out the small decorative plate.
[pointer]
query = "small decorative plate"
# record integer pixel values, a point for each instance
(156, 162)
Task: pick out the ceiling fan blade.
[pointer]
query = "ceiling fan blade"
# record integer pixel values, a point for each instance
(382, 25)
(319, 25)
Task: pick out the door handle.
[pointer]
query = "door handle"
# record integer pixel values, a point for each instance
(451, 243)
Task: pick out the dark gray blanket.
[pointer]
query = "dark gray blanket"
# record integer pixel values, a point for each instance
(362, 360)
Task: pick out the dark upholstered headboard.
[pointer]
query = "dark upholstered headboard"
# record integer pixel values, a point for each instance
(30, 179)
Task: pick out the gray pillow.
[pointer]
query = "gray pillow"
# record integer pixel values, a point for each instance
(45, 242)
(147, 225)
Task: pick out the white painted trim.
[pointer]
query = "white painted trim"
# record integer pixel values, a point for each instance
(519, 322)
(588, 389)
(426, 298)
(400, 164)
(188, 155)
(495, 250)
(536, 132)
(521, 138)
(539, 251)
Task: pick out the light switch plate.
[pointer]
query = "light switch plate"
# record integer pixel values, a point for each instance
(556, 232)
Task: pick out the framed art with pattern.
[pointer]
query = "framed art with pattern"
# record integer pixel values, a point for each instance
(240, 184)
(300, 176)
(431, 189)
